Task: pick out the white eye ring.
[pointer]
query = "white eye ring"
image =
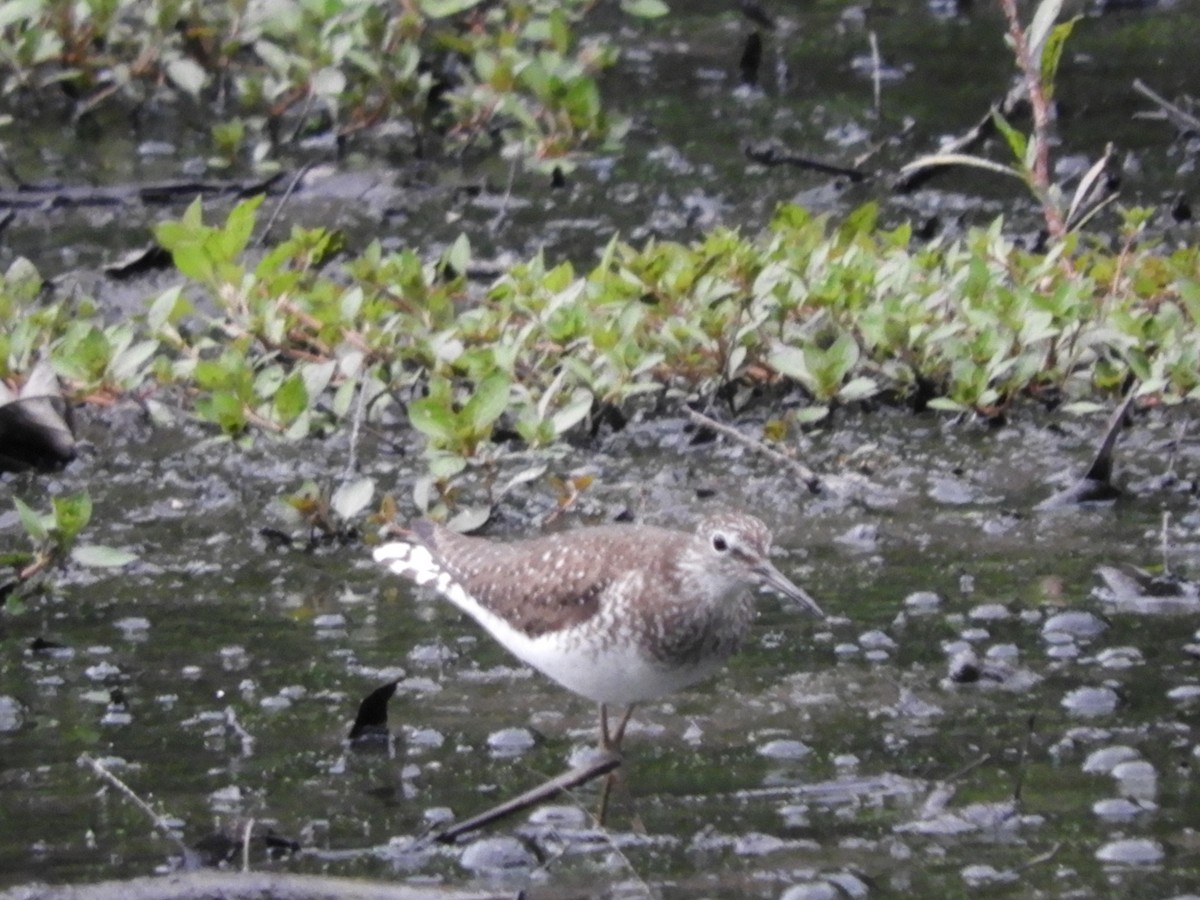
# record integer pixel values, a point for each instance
(720, 544)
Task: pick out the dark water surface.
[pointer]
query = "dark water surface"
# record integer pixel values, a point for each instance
(834, 759)
(829, 751)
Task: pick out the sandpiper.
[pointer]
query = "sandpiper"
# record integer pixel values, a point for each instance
(619, 614)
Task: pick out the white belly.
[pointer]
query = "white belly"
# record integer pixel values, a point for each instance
(616, 673)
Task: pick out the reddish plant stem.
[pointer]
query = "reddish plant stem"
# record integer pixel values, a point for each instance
(1031, 72)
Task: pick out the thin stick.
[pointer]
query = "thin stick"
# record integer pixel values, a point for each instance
(810, 478)
(1182, 119)
(1166, 541)
(552, 788)
(612, 844)
(605, 794)
(771, 153)
(876, 73)
(502, 213)
(287, 194)
(159, 822)
(967, 769)
(1039, 859)
(232, 723)
(249, 829)
(1020, 779)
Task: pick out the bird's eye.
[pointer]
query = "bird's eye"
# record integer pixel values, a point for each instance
(719, 543)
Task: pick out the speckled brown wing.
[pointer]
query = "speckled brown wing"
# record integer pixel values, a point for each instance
(548, 583)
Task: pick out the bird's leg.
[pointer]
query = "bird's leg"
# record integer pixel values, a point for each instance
(612, 741)
(620, 735)
(612, 744)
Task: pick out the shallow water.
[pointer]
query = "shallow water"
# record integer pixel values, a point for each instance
(827, 757)
(839, 750)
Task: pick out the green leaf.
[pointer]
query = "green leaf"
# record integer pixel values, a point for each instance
(317, 376)
(645, 9)
(102, 557)
(187, 74)
(1044, 17)
(470, 519)
(445, 466)
(328, 82)
(22, 280)
(126, 366)
(1083, 408)
(25, 12)
(167, 308)
(488, 403)
(858, 389)
(193, 216)
(71, 515)
(945, 404)
(210, 374)
(810, 415)
(433, 419)
(1017, 142)
(440, 9)
(560, 32)
(842, 356)
(351, 499)
(193, 261)
(790, 362)
(33, 523)
(239, 227)
(224, 408)
(292, 398)
(458, 255)
(1052, 54)
(573, 413)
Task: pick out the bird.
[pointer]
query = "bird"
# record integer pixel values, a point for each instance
(619, 614)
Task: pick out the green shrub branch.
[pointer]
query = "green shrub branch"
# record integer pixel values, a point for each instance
(843, 315)
(470, 71)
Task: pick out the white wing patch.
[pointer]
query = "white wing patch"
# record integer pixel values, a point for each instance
(414, 561)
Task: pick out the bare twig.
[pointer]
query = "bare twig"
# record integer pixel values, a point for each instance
(772, 153)
(917, 172)
(581, 774)
(1182, 119)
(613, 846)
(876, 71)
(232, 723)
(158, 821)
(288, 191)
(1166, 542)
(1019, 784)
(246, 832)
(810, 478)
(967, 769)
(502, 212)
(1040, 858)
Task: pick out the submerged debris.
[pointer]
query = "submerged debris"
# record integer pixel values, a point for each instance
(36, 426)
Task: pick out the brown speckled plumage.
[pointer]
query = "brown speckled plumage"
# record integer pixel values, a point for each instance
(616, 613)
